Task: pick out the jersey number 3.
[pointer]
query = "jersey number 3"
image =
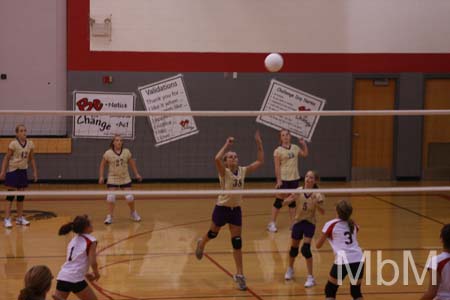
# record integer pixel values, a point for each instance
(349, 236)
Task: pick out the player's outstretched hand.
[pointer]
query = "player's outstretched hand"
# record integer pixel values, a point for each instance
(92, 276)
(230, 141)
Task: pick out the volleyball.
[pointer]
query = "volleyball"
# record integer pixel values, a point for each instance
(273, 62)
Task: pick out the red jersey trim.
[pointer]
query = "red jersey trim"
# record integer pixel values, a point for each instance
(442, 264)
(329, 232)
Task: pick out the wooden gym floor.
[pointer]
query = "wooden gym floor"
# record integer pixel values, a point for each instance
(155, 259)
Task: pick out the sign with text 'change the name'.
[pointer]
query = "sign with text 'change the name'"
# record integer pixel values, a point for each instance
(282, 97)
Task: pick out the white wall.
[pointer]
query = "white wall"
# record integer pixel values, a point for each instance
(297, 26)
(33, 55)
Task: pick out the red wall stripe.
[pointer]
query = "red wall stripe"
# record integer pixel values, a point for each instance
(80, 58)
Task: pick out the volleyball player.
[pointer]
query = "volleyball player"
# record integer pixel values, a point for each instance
(228, 207)
(304, 225)
(118, 158)
(81, 254)
(38, 281)
(14, 171)
(286, 171)
(441, 265)
(341, 233)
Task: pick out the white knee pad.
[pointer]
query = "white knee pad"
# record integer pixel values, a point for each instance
(129, 198)
(111, 198)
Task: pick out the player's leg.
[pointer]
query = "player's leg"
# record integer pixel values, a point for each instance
(277, 204)
(86, 294)
(236, 242)
(332, 286)
(293, 253)
(219, 218)
(20, 220)
(111, 200)
(8, 206)
(129, 198)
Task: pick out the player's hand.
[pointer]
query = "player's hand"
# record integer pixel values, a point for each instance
(302, 141)
(258, 137)
(93, 276)
(2, 176)
(230, 141)
(35, 177)
(101, 180)
(139, 177)
(278, 184)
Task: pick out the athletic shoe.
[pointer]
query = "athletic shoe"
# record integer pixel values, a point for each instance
(108, 220)
(289, 273)
(271, 227)
(198, 250)
(22, 221)
(310, 282)
(240, 280)
(7, 223)
(135, 216)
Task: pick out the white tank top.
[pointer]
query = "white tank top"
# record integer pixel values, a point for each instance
(441, 264)
(344, 243)
(77, 260)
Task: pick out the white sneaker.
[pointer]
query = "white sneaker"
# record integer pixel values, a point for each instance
(310, 282)
(271, 227)
(135, 216)
(7, 223)
(108, 220)
(22, 221)
(289, 273)
(240, 281)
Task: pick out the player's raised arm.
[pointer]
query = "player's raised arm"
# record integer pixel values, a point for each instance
(260, 154)
(303, 148)
(219, 156)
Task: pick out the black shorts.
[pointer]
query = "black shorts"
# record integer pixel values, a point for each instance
(74, 287)
(120, 186)
(353, 268)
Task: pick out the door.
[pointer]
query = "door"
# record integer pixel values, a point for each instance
(372, 141)
(436, 131)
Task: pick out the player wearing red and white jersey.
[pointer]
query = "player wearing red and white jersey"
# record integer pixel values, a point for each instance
(341, 233)
(441, 265)
(81, 253)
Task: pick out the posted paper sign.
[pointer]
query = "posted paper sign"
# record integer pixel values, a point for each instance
(96, 126)
(282, 97)
(168, 95)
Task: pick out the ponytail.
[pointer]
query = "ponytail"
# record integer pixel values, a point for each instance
(26, 294)
(66, 228)
(37, 282)
(78, 225)
(344, 210)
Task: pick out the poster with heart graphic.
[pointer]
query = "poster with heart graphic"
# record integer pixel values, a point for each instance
(282, 97)
(103, 126)
(168, 95)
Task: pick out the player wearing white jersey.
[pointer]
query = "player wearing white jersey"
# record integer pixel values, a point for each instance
(118, 158)
(81, 253)
(441, 265)
(304, 225)
(285, 159)
(228, 207)
(341, 233)
(14, 171)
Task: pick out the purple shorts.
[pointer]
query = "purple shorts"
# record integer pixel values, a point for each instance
(303, 228)
(120, 186)
(291, 184)
(17, 179)
(223, 215)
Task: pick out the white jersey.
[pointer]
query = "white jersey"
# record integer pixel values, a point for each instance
(77, 263)
(21, 154)
(231, 181)
(344, 244)
(441, 264)
(118, 166)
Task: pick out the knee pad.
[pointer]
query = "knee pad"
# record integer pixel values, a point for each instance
(111, 198)
(129, 198)
(10, 198)
(293, 204)
(293, 252)
(212, 235)
(278, 203)
(355, 291)
(20, 198)
(306, 250)
(331, 290)
(236, 241)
